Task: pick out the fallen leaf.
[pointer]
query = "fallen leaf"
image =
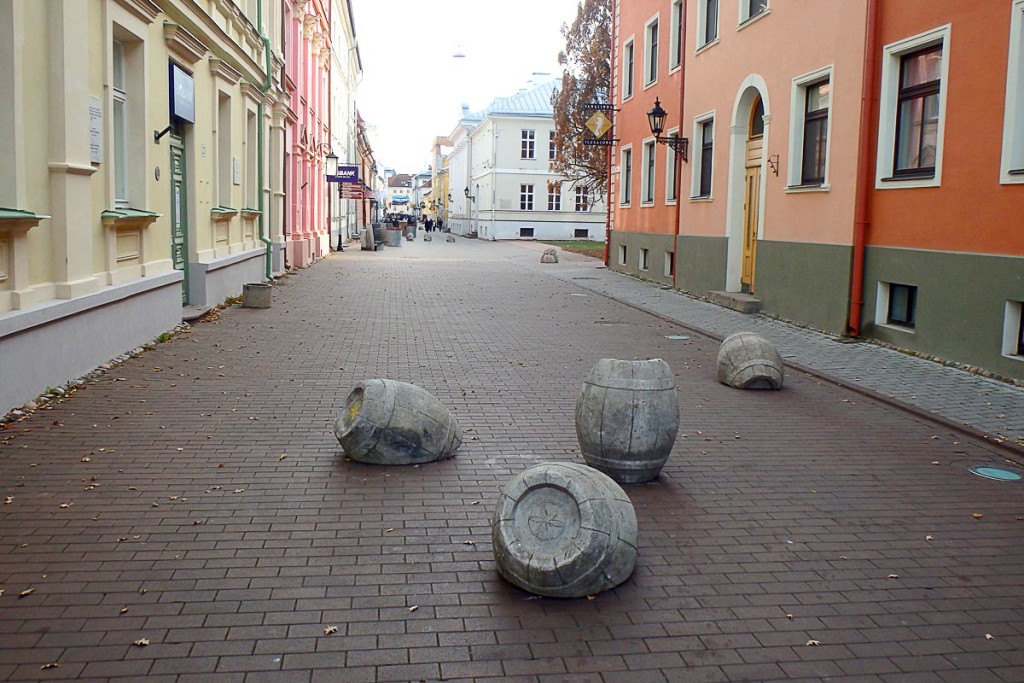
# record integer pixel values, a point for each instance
(811, 643)
(469, 543)
(330, 629)
(87, 459)
(51, 665)
(238, 491)
(591, 597)
(197, 522)
(977, 515)
(155, 504)
(389, 530)
(894, 576)
(26, 592)
(64, 506)
(475, 502)
(282, 457)
(133, 488)
(8, 500)
(929, 538)
(989, 636)
(789, 616)
(414, 608)
(141, 642)
(123, 610)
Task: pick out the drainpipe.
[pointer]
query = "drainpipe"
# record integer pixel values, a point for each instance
(678, 159)
(862, 217)
(608, 177)
(260, 141)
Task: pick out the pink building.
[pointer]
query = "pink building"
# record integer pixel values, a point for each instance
(307, 50)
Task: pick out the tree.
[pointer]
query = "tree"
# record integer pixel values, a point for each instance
(586, 77)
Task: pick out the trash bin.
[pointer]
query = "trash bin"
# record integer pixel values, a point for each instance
(394, 236)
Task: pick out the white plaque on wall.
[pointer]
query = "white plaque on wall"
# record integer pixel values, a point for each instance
(236, 170)
(95, 130)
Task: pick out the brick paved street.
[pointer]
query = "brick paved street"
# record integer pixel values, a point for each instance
(195, 498)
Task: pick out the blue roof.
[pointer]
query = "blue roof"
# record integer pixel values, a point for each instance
(533, 102)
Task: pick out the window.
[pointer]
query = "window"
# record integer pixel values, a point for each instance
(809, 136)
(651, 53)
(671, 174)
(902, 305)
(581, 199)
(752, 8)
(581, 232)
(224, 161)
(120, 116)
(912, 111)
(554, 197)
(1012, 167)
(528, 144)
(670, 263)
(627, 70)
(917, 112)
(707, 22)
(647, 176)
(622, 254)
(551, 145)
(526, 197)
(526, 232)
(675, 59)
(251, 178)
(1013, 330)
(704, 134)
(626, 176)
(645, 259)
(815, 139)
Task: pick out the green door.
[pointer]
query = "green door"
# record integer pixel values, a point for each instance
(179, 213)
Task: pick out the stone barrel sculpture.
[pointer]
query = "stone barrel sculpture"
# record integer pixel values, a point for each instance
(385, 422)
(549, 256)
(749, 361)
(627, 418)
(564, 530)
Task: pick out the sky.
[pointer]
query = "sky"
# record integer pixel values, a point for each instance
(413, 87)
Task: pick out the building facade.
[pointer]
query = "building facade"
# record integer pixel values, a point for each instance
(825, 182)
(503, 154)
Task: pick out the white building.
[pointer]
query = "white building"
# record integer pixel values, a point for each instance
(500, 178)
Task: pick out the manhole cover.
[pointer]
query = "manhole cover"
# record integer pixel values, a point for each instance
(998, 473)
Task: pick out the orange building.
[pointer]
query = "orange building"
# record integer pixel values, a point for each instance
(854, 166)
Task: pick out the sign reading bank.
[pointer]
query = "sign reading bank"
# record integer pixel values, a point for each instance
(346, 174)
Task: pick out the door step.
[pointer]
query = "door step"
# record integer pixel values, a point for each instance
(737, 301)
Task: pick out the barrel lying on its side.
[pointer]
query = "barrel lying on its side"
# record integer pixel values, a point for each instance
(749, 361)
(564, 530)
(385, 422)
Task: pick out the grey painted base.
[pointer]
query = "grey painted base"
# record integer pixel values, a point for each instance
(385, 422)
(564, 530)
(632, 261)
(53, 344)
(211, 283)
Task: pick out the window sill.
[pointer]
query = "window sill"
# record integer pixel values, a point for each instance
(128, 218)
(648, 86)
(705, 46)
(801, 189)
(701, 198)
(750, 20)
(646, 204)
(1014, 356)
(670, 202)
(222, 213)
(907, 182)
(917, 175)
(897, 328)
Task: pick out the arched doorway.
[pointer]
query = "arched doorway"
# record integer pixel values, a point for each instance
(753, 157)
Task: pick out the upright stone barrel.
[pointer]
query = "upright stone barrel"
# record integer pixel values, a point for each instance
(385, 422)
(749, 361)
(564, 530)
(627, 418)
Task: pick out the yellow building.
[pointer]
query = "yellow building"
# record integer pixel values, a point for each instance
(141, 161)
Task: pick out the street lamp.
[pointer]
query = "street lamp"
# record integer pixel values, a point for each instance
(656, 120)
(468, 195)
(332, 163)
(332, 171)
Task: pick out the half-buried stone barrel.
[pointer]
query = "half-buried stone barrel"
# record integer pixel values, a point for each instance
(627, 418)
(385, 422)
(749, 361)
(564, 530)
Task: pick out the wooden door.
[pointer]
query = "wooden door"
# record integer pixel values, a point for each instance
(751, 210)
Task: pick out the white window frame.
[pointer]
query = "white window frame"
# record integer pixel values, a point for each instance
(883, 298)
(746, 17)
(669, 264)
(528, 139)
(1013, 117)
(648, 171)
(626, 176)
(622, 254)
(798, 109)
(651, 57)
(526, 194)
(891, 56)
(702, 22)
(644, 259)
(629, 75)
(554, 198)
(675, 37)
(1011, 327)
(582, 199)
(551, 145)
(696, 159)
(671, 186)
